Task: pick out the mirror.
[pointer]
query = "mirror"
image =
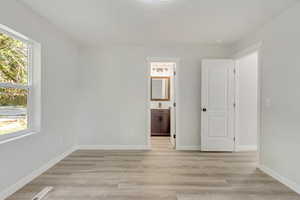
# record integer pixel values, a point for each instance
(160, 88)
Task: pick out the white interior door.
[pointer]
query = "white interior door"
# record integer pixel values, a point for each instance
(217, 104)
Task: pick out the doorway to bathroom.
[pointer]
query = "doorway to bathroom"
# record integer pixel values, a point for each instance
(162, 104)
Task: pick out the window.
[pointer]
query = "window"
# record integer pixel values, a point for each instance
(17, 98)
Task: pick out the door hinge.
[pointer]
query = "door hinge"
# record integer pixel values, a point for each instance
(174, 104)
(174, 136)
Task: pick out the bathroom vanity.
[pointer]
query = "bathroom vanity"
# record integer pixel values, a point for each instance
(160, 122)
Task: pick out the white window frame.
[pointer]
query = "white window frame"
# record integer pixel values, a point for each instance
(33, 86)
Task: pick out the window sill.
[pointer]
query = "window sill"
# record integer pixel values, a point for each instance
(16, 136)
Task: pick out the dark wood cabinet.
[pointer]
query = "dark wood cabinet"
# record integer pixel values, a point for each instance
(160, 122)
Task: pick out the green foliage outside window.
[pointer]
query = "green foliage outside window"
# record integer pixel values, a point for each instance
(13, 69)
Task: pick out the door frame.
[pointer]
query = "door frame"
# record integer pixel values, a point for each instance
(149, 60)
(241, 54)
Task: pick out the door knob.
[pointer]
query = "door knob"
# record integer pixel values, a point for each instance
(204, 109)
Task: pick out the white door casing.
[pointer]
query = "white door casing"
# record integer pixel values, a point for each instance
(169, 105)
(217, 105)
(173, 108)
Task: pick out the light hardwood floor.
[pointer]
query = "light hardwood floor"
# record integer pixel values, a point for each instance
(162, 173)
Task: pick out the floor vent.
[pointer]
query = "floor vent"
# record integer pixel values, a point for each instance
(42, 194)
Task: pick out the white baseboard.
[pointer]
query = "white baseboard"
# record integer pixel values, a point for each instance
(291, 184)
(188, 148)
(113, 147)
(27, 179)
(246, 148)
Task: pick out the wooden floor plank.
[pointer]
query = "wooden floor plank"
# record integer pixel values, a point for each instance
(162, 173)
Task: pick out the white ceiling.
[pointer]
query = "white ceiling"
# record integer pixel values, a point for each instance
(96, 22)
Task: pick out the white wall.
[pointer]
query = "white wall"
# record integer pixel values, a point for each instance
(115, 87)
(59, 78)
(247, 102)
(280, 59)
